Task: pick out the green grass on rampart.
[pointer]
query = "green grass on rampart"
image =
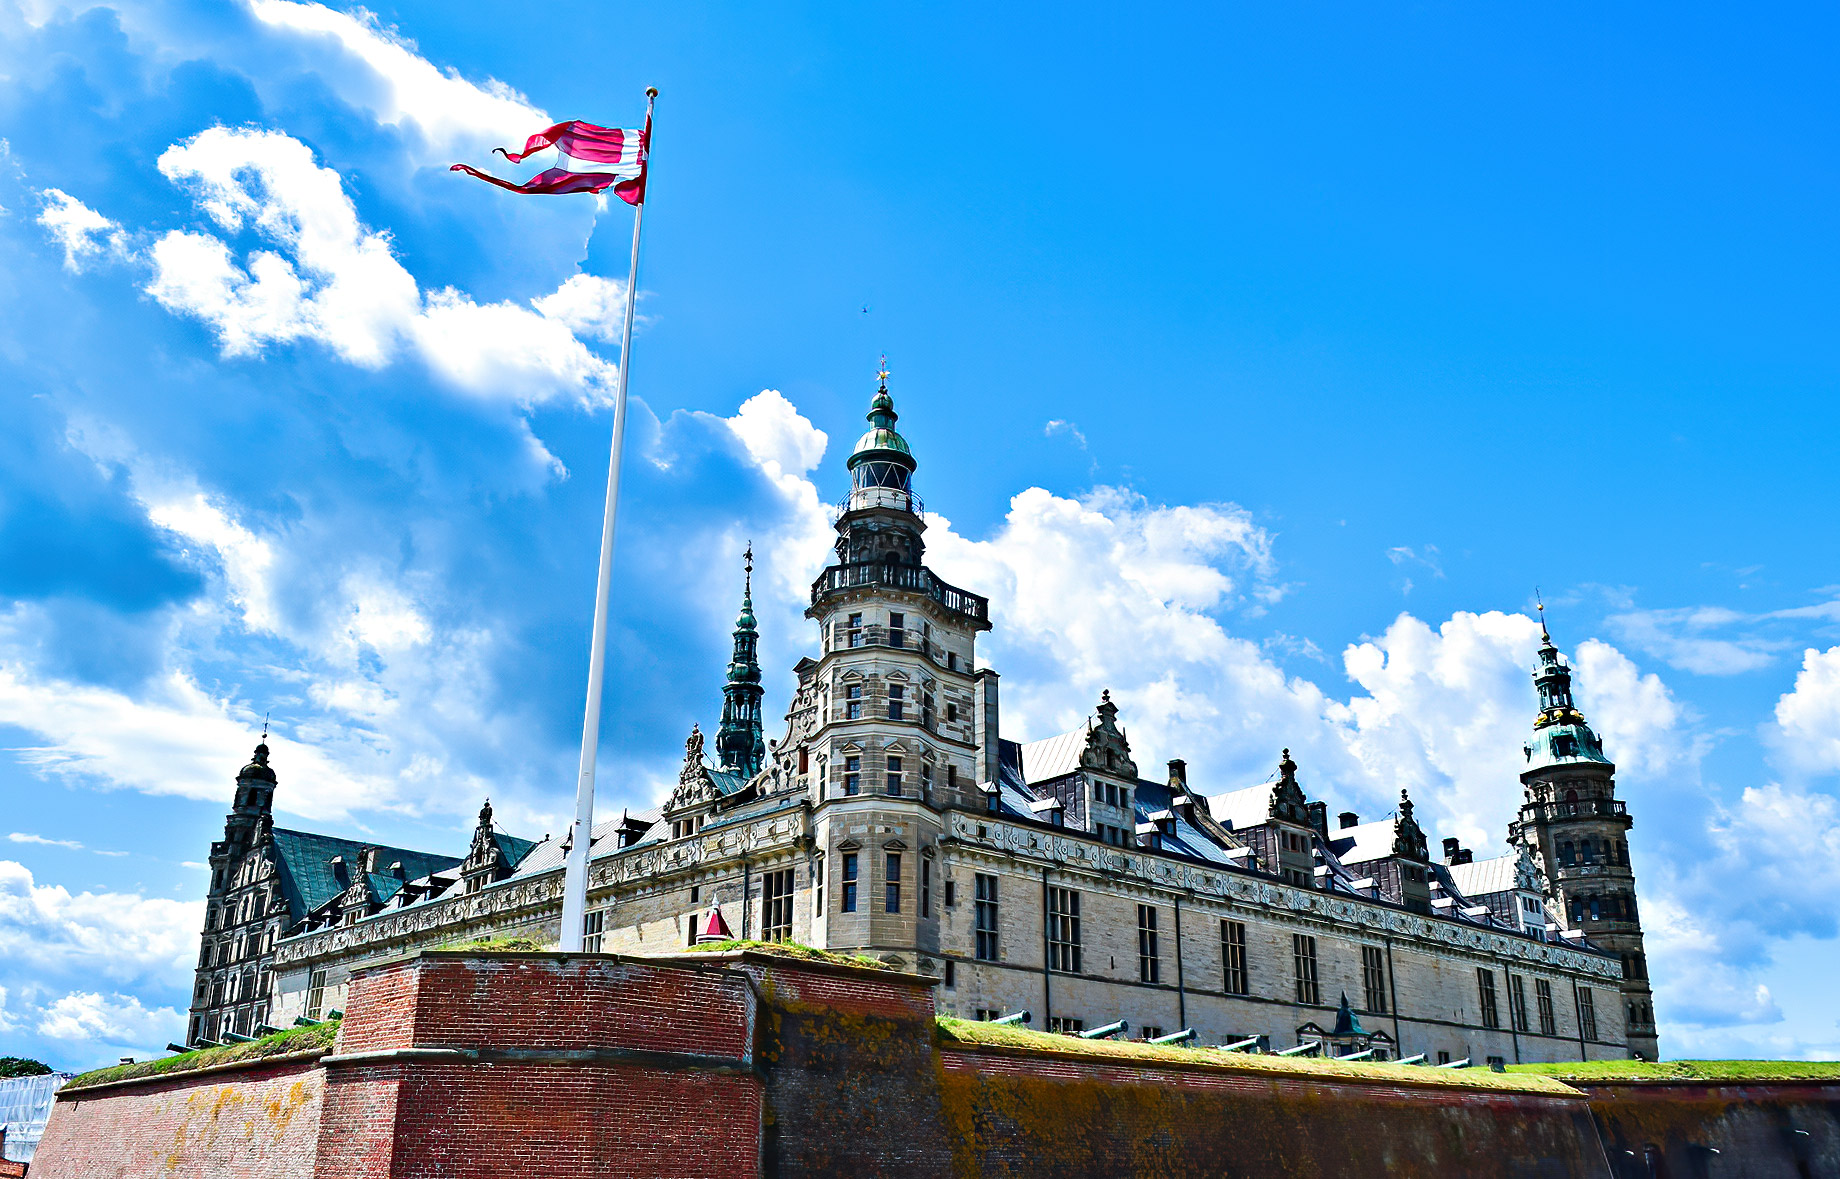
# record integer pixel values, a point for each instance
(797, 951)
(292, 1042)
(972, 1032)
(1711, 1071)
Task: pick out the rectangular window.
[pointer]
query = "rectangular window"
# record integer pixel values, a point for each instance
(691, 924)
(951, 777)
(897, 629)
(1152, 1031)
(849, 882)
(951, 712)
(776, 906)
(852, 702)
(856, 634)
(1303, 961)
(985, 917)
(1064, 930)
(1066, 1026)
(1542, 995)
(897, 706)
(894, 775)
(892, 882)
(592, 926)
(1517, 1002)
(316, 993)
(1233, 956)
(1587, 1013)
(951, 893)
(926, 887)
(951, 973)
(1149, 958)
(852, 775)
(1485, 989)
(951, 660)
(817, 885)
(1373, 978)
(1443, 1057)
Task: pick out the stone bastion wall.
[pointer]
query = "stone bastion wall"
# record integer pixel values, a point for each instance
(463, 1064)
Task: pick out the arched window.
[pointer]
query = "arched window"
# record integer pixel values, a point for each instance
(1587, 852)
(1622, 852)
(1566, 854)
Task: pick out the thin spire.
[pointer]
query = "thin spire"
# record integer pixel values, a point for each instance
(882, 374)
(1540, 605)
(747, 592)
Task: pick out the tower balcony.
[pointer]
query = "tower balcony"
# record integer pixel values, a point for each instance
(1584, 808)
(887, 499)
(915, 579)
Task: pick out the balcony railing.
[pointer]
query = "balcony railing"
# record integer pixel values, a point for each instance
(914, 578)
(897, 499)
(1584, 808)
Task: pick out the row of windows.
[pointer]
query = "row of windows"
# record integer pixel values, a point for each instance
(1610, 906)
(1517, 1004)
(851, 632)
(1589, 851)
(894, 775)
(896, 705)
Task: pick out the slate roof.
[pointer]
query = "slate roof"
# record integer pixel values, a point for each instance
(1240, 809)
(1364, 841)
(1485, 876)
(1052, 757)
(305, 859)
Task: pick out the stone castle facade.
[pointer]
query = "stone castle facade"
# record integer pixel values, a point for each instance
(894, 819)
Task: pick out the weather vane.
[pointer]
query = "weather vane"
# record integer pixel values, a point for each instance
(882, 375)
(749, 558)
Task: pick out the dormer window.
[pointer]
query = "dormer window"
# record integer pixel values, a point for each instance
(1565, 746)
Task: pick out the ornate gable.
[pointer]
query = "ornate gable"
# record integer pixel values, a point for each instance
(1408, 837)
(1107, 750)
(694, 785)
(1287, 801)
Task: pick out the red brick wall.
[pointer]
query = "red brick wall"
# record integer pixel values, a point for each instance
(585, 1065)
(259, 1123)
(1778, 1129)
(11, 1170)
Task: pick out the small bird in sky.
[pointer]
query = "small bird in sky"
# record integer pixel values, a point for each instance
(865, 309)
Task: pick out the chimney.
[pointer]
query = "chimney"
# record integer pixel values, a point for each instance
(1178, 776)
(1466, 856)
(1451, 847)
(367, 861)
(984, 725)
(1319, 818)
(1348, 819)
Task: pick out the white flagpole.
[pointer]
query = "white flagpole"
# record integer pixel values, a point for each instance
(575, 876)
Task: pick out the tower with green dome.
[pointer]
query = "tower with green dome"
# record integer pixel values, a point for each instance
(1577, 830)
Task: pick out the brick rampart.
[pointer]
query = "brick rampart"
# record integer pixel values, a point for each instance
(469, 1066)
(244, 1123)
(1021, 1114)
(1688, 1129)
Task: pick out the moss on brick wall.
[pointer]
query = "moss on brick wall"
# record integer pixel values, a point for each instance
(314, 1041)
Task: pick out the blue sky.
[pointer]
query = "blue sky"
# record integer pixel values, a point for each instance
(1260, 365)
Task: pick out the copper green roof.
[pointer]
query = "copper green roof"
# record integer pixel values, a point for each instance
(882, 442)
(304, 863)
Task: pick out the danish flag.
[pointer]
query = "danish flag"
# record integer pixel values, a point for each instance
(588, 159)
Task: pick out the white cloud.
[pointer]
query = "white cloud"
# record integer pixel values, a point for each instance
(114, 1019)
(325, 277)
(786, 447)
(1057, 426)
(588, 305)
(172, 738)
(401, 88)
(83, 232)
(1807, 733)
(7, 1021)
(247, 560)
(117, 936)
(1681, 639)
(40, 840)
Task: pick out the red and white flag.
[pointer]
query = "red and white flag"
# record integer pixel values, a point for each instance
(588, 159)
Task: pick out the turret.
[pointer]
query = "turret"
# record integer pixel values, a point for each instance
(740, 746)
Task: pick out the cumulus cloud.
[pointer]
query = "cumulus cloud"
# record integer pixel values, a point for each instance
(386, 76)
(121, 937)
(171, 738)
(80, 230)
(1683, 638)
(323, 276)
(1807, 730)
(113, 1019)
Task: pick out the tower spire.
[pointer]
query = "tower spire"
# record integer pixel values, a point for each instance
(740, 743)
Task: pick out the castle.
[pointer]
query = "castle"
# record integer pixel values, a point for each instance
(893, 819)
